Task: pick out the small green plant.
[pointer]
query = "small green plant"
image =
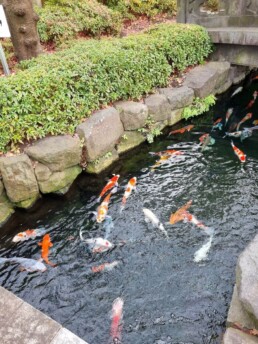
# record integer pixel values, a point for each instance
(150, 130)
(198, 106)
(108, 155)
(124, 137)
(212, 5)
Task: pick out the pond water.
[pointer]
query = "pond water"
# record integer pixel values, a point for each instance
(168, 298)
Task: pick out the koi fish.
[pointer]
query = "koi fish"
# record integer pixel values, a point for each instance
(150, 217)
(28, 234)
(110, 185)
(97, 245)
(238, 90)
(179, 215)
(103, 208)
(228, 114)
(201, 254)
(217, 121)
(182, 130)
(251, 103)
(168, 152)
(105, 267)
(241, 156)
(26, 264)
(236, 134)
(203, 137)
(246, 118)
(191, 218)
(160, 161)
(218, 126)
(116, 316)
(255, 122)
(45, 245)
(128, 190)
(208, 141)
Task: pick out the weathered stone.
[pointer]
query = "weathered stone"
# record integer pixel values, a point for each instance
(6, 209)
(237, 314)
(158, 106)
(159, 125)
(233, 336)
(66, 337)
(27, 203)
(247, 278)
(63, 191)
(99, 165)
(56, 152)
(9, 304)
(19, 178)
(234, 35)
(1, 187)
(59, 180)
(223, 88)
(223, 80)
(175, 116)
(238, 73)
(133, 114)
(100, 132)
(42, 172)
(129, 140)
(178, 97)
(202, 80)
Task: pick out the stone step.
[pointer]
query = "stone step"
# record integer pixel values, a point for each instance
(234, 35)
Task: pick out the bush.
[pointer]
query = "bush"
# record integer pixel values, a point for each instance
(54, 92)
(63, 19)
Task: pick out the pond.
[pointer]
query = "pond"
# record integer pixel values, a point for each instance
(168, 297)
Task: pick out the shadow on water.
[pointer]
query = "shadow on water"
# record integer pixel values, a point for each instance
(168, 297)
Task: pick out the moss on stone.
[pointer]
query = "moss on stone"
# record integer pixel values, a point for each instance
(130, 140)
(100, 164)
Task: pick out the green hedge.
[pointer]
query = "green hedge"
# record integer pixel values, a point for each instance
(63, 19)
(54, 92)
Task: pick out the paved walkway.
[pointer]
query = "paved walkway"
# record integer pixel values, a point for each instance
(20, 323)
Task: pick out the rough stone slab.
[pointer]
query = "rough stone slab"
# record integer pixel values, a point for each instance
(223, 80)
(158, 106)
(247, 278)
(233, 336)
(202, 80)
(238, 73)
(133, 114)
(130, 140)
(175, 117)
(27, 203)
(237, 314)
(234, 35)
(19, 178)
(9, 305)
(6, 209)
(66, 337)
(102, 163)
(59, 180)
(42, 172)
(56, 152)
(178, 97)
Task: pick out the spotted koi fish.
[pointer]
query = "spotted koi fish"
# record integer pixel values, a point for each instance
(103, 208)
(160, 161)
(110, 185)
(116, 316)
(45, 245)
(28, 234)
(129, 188)
(251, 103)
(191, 218)
(182, 130)
(241, 156)
(105, 267)
(246, 118)
(168, 152)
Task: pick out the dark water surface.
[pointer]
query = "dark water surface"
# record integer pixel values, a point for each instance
(168, 297)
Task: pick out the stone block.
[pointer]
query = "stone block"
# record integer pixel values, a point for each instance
(223, 72)
(178, 97)
(233, 336)
(59, 180)
(131, 140)
(247, 278)
(238, 73)
(133, 114)
(66, 337)
(56, 152)
(175, 117)
(158, 106)
(42, 172)
(27, 203)
(9, 305)
(6, 209)
(101, 133)
(102, 163)
(19, 178)
(202, 80)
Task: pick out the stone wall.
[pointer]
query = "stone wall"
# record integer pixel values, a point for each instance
(50, 165)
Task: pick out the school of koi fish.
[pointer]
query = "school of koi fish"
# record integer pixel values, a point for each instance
(222, 125)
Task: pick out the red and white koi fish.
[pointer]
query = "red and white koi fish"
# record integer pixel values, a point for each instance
(182, 130)
(228, 114)
(241, 156)
(45, 245)
(168, 152)
(103, 208)
(251, 103)
(191, 218)
(110, 185)
(28, 234)
(129, 188)
(217, 121)
(97, 245)
(117, 317)
(246, 118)
(203, 137)
(105, 267)
(26, 264)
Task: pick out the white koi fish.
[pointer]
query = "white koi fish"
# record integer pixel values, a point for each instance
(26, 264)
(150, 217)
(201, 254)
(238, 90)
(117, 317)
(228, 114)
(97, 245)
(28, 234)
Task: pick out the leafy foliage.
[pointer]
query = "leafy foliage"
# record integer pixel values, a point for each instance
(212, 5)
(63, 19)
(53, 93)
(199, 106)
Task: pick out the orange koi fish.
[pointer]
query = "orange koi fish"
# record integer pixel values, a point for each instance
(203, 137)
(241, 156)
(105, 267)
(45, 245)
(103, 208)
(217, 121)
(28, 234)
(168, 152)
(182, 130)
(246, 118)
(160, 161)
(228, 114)
(110, 185)
(251, 103)
(179, 215)
(255, 122)
(129, 188)
(191, 218)
(116, 316)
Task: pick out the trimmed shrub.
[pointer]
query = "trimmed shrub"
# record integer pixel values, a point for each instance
(63, 19)
(55, 92)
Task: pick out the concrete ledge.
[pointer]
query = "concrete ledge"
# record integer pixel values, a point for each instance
(234, 35)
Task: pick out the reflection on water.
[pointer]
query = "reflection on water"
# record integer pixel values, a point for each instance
(168, 297)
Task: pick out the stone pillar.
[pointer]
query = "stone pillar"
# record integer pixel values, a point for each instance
(181, 11)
